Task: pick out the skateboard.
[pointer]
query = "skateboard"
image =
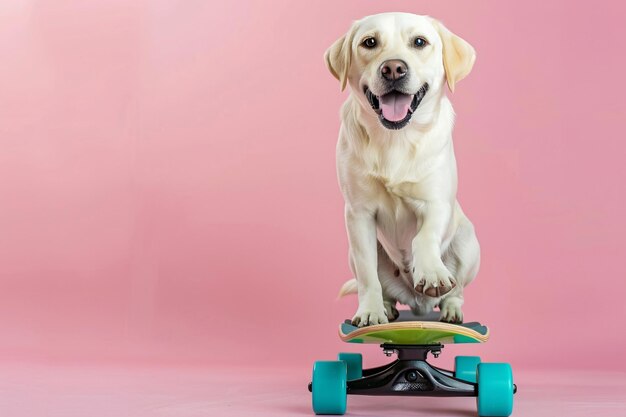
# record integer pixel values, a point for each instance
(412, 338)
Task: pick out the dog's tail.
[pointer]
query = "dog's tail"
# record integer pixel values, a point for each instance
(349, 287)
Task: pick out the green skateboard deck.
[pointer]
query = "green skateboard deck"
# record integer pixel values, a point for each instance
(409, 329)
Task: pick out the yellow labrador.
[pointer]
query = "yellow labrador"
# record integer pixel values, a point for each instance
(410, 242)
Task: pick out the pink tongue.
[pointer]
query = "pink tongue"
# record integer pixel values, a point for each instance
(395, 106)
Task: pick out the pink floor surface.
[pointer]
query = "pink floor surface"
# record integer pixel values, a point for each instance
(33, 390)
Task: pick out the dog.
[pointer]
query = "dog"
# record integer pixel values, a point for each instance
(409, 240)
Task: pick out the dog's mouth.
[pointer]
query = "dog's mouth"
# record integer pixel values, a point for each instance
(395, 108)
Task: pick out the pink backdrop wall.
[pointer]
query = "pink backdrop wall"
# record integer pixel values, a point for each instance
(168, 190)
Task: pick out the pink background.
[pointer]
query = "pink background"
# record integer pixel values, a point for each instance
(168, 189)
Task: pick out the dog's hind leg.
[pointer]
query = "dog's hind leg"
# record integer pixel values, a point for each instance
(390, 309)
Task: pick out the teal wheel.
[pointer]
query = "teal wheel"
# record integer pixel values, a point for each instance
(329, 387)
(465, 367)
(354, 363)
(495, 389)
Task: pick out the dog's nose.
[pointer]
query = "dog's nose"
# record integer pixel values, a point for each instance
(393, 69)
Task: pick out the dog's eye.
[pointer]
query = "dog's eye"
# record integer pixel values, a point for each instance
(369, 43)
(420, 42)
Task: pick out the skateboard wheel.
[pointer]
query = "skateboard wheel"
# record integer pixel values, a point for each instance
(354, 363)
(495, 389)
(329, 387)
(465, 367)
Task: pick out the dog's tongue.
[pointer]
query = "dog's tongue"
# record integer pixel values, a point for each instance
(395, 106)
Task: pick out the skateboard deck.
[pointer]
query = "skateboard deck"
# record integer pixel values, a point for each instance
(409, 329)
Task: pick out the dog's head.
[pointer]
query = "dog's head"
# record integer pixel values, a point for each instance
(394, 61)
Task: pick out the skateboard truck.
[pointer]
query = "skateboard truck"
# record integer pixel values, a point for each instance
(412, 351)
(410, 374)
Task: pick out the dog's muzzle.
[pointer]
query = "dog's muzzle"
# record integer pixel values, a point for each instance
(395, 108)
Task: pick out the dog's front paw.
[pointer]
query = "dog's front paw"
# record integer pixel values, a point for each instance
(434, 281)
(368, 317)
(451, 313)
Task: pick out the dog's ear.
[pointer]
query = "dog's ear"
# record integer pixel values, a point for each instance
(338, 57)
(458, 55)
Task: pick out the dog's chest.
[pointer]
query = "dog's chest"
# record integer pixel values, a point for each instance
(398, 172)
(397, 177)
(397, 221)
(398, 216)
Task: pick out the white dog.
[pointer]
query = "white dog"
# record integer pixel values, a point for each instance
(410, 242)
